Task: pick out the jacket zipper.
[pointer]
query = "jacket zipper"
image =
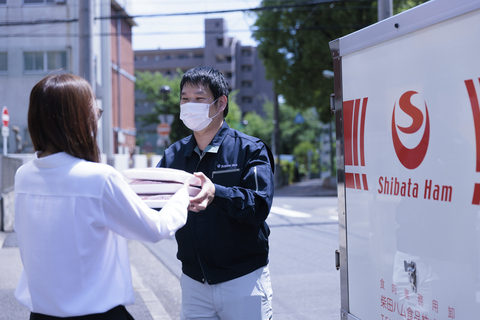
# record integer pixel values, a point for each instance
(193, 234)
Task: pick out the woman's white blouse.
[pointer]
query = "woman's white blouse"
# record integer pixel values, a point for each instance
(72, 217)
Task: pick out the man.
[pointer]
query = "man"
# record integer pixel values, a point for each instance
(224, 245)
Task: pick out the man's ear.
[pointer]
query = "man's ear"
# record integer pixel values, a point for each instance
(222, 103)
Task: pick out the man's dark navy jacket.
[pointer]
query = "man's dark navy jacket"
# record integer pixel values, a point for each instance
(229, 238)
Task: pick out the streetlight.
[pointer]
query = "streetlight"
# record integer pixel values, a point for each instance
(328, 74)
(164, 128)
(165, 91)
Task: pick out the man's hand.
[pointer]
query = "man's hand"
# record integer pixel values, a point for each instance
(206, 195)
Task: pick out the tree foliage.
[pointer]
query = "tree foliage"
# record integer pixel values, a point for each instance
(291, 133)
(150, 84)
(294, 45)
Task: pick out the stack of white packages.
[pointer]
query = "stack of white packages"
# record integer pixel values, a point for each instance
(155, 186)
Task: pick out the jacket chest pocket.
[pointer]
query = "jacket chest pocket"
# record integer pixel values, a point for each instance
(227, 177)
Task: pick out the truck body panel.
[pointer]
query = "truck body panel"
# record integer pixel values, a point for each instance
(407, 96)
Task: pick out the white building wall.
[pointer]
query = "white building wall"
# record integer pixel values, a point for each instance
(16, 83)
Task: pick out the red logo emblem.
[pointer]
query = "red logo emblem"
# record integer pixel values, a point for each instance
(411, 158)
(472, 94)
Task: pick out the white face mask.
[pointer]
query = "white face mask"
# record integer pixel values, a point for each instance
(195, 115)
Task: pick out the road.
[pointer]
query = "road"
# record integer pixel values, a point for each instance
(304, 237)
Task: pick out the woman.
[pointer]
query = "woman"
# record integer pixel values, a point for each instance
(71, 212)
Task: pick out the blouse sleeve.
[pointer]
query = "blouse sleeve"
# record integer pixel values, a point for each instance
(126, 214)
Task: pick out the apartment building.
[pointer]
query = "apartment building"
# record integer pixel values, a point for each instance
(41, 37)
(240, 65)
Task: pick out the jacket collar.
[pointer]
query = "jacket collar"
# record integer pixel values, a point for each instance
(214, 144)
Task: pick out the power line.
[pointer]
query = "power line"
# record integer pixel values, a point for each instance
(36, 22)
(286, 6)
(268, 8)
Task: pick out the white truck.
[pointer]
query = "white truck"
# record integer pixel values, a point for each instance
(407, 105)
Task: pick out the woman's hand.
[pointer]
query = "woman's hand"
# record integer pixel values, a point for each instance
(206, 195)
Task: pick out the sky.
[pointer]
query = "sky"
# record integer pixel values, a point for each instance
(186, 31)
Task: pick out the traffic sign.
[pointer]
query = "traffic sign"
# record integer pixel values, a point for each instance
(299, 119)
(163, 129)
(5, 117)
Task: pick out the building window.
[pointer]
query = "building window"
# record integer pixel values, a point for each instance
(157, 58)
(198, 55)
(56, 60)
(247, 68)
(247, 53)
(247, 84)
(3, 62)
(45, 61)
(39, 1)
(182, 56)
(3, 2)
(145, 58)
(34, 61)
(219, 41)
(247, 99)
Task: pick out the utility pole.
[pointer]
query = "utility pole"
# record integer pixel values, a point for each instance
(106, 60)
(85, 22)
(385, 9)
(120, 136)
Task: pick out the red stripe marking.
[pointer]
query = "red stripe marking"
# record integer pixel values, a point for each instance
(349, 180)
(355, 132)
(476, 116)
(347, 127)
(365, 184)
(358, 183)
(476, 194)
(362, 133)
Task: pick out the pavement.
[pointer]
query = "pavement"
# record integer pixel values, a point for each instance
(151, 303)
(309, 188)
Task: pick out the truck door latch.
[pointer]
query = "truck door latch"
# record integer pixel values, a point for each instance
(411, 269)
(337, 259)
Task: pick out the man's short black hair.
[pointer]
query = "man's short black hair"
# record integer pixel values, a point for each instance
(209, 78)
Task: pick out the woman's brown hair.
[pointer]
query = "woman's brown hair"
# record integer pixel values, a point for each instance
(62, 116)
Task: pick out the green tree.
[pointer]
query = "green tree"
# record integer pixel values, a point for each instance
(150, 84)
(307, 164)
(293, 44)
(234, 117)
(292, 134)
